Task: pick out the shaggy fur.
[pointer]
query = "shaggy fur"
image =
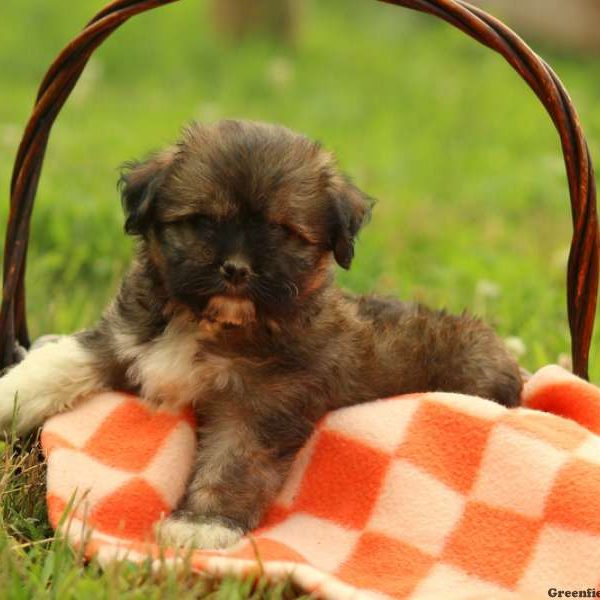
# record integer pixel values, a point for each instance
(230, 306)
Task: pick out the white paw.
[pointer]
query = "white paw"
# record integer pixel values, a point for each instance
(48, 381)
(182, 533)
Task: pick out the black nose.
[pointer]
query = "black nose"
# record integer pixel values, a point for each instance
(235, 271)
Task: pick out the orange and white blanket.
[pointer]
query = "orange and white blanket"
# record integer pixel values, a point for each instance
(423, 496)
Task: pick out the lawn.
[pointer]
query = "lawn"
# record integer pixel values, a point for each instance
(472, 211)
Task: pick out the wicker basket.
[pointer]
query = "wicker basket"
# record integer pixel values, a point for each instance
(582, 276)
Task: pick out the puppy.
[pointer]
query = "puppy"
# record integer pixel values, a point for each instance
(230, 306)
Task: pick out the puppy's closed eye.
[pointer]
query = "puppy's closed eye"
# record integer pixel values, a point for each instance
(290, 232)
(202, 222)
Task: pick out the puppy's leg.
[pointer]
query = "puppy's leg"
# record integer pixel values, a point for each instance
(239, 471)
(465, 355)
(46, 382)
(418, 349)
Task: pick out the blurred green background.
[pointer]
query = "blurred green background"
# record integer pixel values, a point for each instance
(473, 208)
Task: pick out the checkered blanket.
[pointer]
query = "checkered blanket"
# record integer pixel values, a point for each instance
(423, 496)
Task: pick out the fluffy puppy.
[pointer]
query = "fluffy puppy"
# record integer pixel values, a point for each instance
(230, 306)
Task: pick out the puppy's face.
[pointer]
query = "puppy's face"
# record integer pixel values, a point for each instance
(241, 220)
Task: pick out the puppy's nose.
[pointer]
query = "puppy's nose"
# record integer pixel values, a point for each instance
(235, 271)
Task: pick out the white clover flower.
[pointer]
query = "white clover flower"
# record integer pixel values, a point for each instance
(516, 346)
(487, 289)
(10, 134)
(564, 360)
(280, 72)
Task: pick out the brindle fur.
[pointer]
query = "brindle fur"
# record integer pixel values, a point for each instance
(275, 201)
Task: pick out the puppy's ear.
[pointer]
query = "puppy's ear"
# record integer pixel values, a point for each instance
(138, 184)
(350, 209)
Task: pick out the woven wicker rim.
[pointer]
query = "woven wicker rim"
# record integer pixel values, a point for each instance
(582, 273)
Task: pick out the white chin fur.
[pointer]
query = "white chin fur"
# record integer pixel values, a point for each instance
(232, 311)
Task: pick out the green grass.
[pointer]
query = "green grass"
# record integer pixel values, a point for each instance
(473, 207)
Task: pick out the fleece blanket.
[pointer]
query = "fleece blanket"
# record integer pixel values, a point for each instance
(430, 495)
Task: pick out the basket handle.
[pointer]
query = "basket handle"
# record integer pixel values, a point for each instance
(582, 276)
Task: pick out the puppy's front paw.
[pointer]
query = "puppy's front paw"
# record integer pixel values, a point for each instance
(207, 533)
